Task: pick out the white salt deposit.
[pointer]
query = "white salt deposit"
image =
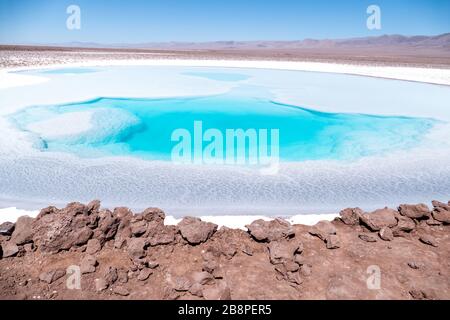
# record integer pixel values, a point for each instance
(412, 176)
(235, 222)
(63, 125)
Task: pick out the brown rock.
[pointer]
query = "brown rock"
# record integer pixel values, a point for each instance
(110, 275)
(122, 212)
(108, 224)
(121, 291)
(379, 219)
(220, 291)
(140, 263)
(152, 264)
(170, 294)
(6, 228)
(154, 215)
(281, 272)
(410, 266)
(202, 278)
(119, 243)
(299, 259)
(136, 248)
(367, 237)
(437, 204)
(162, 236)
(282, 252)
(144, 274)
(333, 242)
(46, 211)
(9, 249)
(294, 277)
(179, 283)
(92, 220)
(350, 216)
(433, 222)
(52, 276)
(23, 231)
(156, 232)
(88, 264)
(247, 250)
(270, 230)
(79, 238)
(210, 253)
(93, 206)
(429, 240)
(125, 217)
(305, 270)
(195, 231)
(416, 265)
(61, 231)
(138, 228)
(323, 229)
(209, 266)
(93, 246)
(101, 284)
(386, 234)
(405, 224)
(291, 266)
(400, 234)
(122, 276)
(219, 272)
(442, 215)
(225, 248)
(29, 247)
(418, 294)
(75, 208)
(196, 289)
(418, 211)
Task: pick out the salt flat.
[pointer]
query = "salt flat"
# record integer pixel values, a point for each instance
(302, 188)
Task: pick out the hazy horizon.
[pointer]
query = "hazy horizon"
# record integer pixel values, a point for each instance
(230, 41)
(41, 22)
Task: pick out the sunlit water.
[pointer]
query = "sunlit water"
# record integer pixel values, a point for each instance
(65, 140)
(144, 127)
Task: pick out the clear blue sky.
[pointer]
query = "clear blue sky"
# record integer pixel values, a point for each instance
(135, 21)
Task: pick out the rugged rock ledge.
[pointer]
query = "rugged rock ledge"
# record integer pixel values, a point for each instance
(85, 252)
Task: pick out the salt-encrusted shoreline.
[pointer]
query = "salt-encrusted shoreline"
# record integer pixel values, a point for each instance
(440, 76)
(236, 222)
(417, 74)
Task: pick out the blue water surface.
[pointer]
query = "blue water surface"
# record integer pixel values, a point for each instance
(143, 127)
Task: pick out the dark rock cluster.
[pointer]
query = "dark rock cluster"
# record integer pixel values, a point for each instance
(118, 252)
(388, 223)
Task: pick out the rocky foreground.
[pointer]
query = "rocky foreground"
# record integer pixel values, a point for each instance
(85, 252)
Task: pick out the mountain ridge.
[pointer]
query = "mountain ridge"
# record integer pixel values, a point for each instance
(441, 41)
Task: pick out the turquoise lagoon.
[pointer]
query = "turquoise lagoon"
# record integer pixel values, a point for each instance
(120, 119)
(143, 127)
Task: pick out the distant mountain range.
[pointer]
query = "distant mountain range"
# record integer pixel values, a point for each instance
(440, 42)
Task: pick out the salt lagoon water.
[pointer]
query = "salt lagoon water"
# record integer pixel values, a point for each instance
(118, 123)
(144, 127)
